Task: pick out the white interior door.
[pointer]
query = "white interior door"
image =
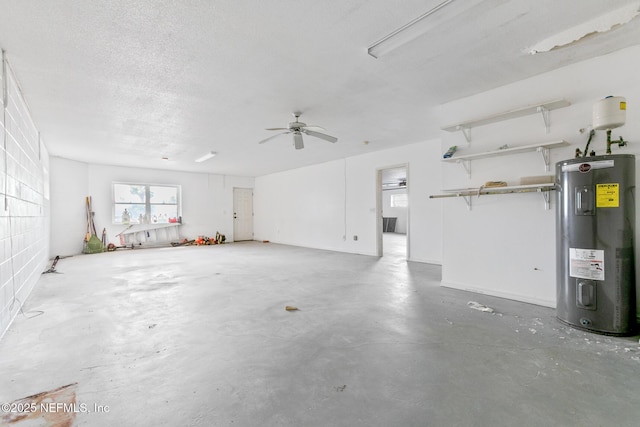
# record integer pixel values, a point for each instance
(242, 214)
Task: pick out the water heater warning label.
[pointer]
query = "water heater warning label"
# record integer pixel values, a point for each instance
(607, 195)
(586, 263)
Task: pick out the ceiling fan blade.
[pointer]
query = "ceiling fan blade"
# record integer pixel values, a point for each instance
(320, 135)
(271, 137)
(297, 140)
(314, 127)
(277, 129)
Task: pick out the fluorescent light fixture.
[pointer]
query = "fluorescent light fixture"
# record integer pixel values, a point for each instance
(209, 155)
(405, 34)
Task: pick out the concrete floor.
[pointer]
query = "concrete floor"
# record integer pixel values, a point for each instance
(199, 336)
(394, 245)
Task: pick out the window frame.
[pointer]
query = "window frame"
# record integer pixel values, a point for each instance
(147, 201)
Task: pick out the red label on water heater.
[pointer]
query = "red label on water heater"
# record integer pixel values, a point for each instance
(584, 168)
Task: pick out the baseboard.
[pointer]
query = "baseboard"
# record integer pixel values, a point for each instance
(426, 261)
(499, 294)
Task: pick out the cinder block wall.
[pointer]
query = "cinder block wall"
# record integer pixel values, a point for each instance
(24, 202)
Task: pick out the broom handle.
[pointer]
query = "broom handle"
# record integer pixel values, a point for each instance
(88, 235)
(93, 225)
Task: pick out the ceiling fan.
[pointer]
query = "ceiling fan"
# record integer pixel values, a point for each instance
(297, 128)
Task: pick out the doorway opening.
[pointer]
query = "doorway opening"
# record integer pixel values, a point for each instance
(393, 212)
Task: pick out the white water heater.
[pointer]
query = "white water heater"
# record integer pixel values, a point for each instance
(609, 113)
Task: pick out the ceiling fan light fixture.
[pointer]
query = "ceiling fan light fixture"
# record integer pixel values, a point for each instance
(406, 33)
(209, 155)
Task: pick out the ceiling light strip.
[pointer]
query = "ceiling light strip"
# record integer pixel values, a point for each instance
(378, 48)
(209, 155)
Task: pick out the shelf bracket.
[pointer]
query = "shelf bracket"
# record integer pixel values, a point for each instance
(545, 117)
(467, 133)
(546, 157)
(467, 200)
(466, 164)
(547, 198)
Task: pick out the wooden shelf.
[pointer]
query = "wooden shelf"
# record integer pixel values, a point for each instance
(543, 149)
(542, 108)
(469, 193)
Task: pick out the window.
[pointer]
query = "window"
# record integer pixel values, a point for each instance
(145, 203)
(399, 200)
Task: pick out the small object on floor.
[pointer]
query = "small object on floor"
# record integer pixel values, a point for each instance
(480, 307)
(204, 240)
(291, 308)
(265, 241)
(112, 247)
(450, 152)
(183, 242)
(220, 238)
(341, 388)
(52, 269)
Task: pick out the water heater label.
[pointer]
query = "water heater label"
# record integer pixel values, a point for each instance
(586, 263)
(586, 167)
(607, 195)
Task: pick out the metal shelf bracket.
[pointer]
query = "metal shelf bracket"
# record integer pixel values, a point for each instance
(467, 200)
(546, 156)
(467, 134)
(466, 164)
(544, 111)
(547, 198)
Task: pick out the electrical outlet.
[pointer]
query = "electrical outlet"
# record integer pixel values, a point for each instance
(355, 237)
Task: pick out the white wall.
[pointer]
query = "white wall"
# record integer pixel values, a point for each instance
(302, 207)
(400, 213)
(24, 204)
(69, 187)
(207, 200)
(505, 245)
(324, 206)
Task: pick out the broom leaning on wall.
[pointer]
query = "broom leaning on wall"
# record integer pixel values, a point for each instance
(92, 243)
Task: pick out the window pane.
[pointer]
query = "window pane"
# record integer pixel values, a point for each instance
(164, 213)
(125, 193)
(399, 200)
(134, 211)
(163, 195)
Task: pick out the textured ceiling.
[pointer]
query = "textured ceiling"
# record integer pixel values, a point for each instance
(128, 82)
